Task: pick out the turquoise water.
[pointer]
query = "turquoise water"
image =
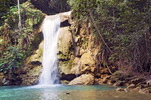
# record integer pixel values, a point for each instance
(63, 92)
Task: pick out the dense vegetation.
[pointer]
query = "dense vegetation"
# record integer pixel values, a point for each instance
(17, 43)
(124, 26)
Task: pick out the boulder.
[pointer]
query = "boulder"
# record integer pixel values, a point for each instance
(64, 41)
(120, 89)
(85, 79)
(76, 66)
(64, 82)
(32, 76)
(84, 65)
(149, 83)
(65, 53)
(87, 63)
(131, 86)
(105, 79)
(145, 90)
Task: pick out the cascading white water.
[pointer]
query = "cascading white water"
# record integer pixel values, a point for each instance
(50, 29)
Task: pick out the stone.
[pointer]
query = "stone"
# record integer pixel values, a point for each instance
(32, 67)
(37, 55)
(76, 66)
(98, 81)
(84, 65)
(82, 51)
(32, 76)
(64, 82)
(149, 83)
(67, 92)
(65, 51)
(145, 90)
(64, 40)
(85, 79)
(65, 16)
(120, 89)
(105, 79)
(131, 86)
(87, 63)
(2, 78)
(64, 68)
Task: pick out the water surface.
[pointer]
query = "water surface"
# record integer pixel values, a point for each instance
(63, 92)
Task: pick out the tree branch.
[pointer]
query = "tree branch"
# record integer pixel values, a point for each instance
(92, 18)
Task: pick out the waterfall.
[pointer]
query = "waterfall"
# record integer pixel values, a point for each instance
(50, 30)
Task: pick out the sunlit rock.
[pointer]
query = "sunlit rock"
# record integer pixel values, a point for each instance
(85, 79)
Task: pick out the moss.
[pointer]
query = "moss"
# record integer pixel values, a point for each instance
(84, 43)
(23, 42)
(70, 62)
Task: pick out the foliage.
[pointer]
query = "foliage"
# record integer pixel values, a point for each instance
(4, 7)
(125, 27)
(59, 5)
(17, 44)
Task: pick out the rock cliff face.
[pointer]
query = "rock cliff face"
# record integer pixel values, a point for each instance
(32, 67)
(77, 52)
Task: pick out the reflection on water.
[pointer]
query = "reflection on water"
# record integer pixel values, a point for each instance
(61, 92)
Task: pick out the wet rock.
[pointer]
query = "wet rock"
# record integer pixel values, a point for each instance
(67, 92)
(85, 79)
(126, 90)
(64, 82)
(145, 90)
(106, 79)
(120, 89)
(2, 78)
(148, 83)
(32, 76)
(131, 86)
(98, 81)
